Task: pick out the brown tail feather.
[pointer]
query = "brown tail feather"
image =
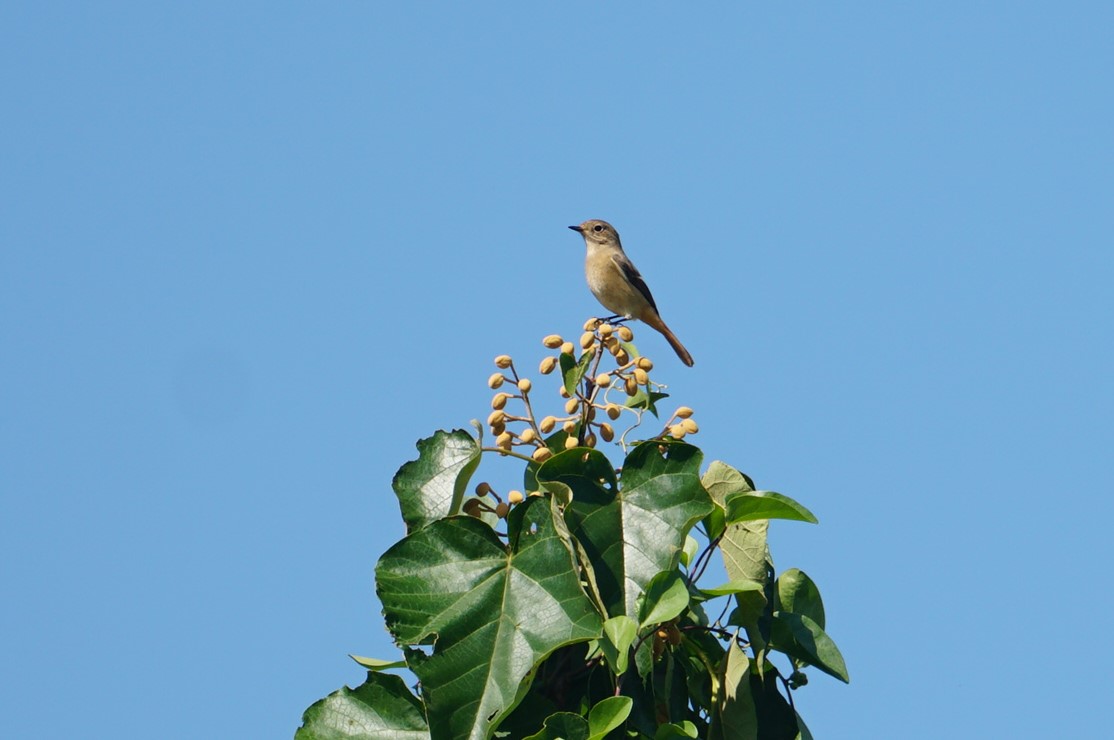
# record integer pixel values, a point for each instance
(651, 319)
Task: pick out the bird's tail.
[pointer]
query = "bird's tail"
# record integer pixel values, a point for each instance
(654, 321)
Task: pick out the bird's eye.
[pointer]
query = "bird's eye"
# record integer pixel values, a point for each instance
(597, 227)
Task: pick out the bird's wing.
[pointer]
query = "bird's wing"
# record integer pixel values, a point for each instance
(631, 273)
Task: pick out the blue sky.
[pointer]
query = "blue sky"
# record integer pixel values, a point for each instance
(250, 252)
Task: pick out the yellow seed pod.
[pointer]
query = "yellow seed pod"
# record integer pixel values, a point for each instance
(534, 493)
(677, 431)
(547, 424)
(591, 324)
(603, 380)
(571, 442)
(622, 357)
(591, 413)
(605, 330)
(572, 405)
(504, 440)
(503, 361)
(502, 509)
(690, 426)
(553, 341)
(498, 429)
(640, 376)
(645, 364)
(610, 342)
(515, 497)
(525, 385)
(587, 339)
(483, 489)
(542, 454)
(497, 416)
(614, 411)
(528, 435)
(499, 400)
(567, 348)
(630, 386)
(625, 333)
(569, 427)
(496, 380)
(606, 432)
(548, 363)
(563, 392)
(590, 440)
(683, 413)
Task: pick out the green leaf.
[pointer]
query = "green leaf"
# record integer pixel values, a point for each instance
(643, 399)
(751, 506)
(563, 726)
(690, 550)
(681, 731)
(798, 593)
(735, 717)
(745, 554)
(750, 606)
(636, 532)
(572, 371)
(375, 664)
(608, 715)
(800, 637)
(432, 487)
(491, 611)
(666, 597)
(733, 587)
(381, 708)
(620, 633)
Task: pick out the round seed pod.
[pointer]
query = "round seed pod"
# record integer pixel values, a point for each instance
(567, 348)
(483, 489)
(547, 424)
(614, 411)
(603, 380)
(591, 324)
(502, 509)
(503, 361)
(640, 376)
(677, 431)
(499, 400)
(644, 363)
(605, 329)
(528, 435)
(515, 497)
(683, 413)
(625, 333)
(606, 432)
(690, 426)
(496, 417)
(590, 440)
(542, 454)
(525, 385)
(547, 365)
(572, 405)
(570, 442)
(496, 380)
(630, 386)
(587, 339)
(504, 440)
(569, 427)
(553, 341)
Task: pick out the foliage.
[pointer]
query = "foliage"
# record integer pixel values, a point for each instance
(575, 610)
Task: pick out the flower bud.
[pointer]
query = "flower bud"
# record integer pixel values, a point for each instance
(622, 357)
(603, 380)
(572, 405)
(590, 440)
(630, 386)
(569, 427)
(547, 424)
(605, 330)
(515, 497)
(644, 363)
(563, 392)
(504, 440)
(542, 454)
(570, 442)
(625, 333)
(567, 348)
(497, 416)
(525, 385)
(587, 339)
(498, 429)
(483, 489)
(606, 432)
(553, 341)
(614, 411)
(548, 363)
(499, 400)
(495, 380)
(683, 413)
(528, 435)
(503, 361)
(502, 509)
(677, 431)
(591, 324)
(591, 414)
(690, 426)
(640, 376)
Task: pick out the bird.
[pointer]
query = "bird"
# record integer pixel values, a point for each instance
(617, 284)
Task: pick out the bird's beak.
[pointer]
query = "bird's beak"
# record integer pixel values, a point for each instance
(577, 229)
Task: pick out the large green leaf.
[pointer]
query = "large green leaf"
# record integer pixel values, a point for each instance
(563, 726)
(746, 556)
(747, 506)
(798, 593)
(636, 530)
(800, 637)
(491, 611)
(432, 486)
(735, 717)
(381, 708)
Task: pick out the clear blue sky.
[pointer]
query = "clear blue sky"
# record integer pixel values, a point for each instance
(250, 252)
